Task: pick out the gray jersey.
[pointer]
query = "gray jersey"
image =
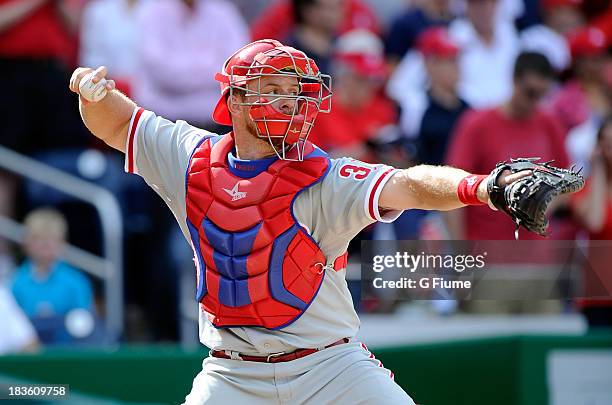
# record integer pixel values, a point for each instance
(333, 211)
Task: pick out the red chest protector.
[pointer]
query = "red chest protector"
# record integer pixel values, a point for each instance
(256, 265)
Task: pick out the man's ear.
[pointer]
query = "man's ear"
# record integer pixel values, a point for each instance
(233, 103)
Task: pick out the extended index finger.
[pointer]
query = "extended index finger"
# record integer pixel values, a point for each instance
(99, 74)
(511, 178)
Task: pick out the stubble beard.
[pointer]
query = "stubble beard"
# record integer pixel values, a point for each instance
(268, 145)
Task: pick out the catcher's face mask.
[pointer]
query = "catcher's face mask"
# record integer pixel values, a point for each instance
(283, 89)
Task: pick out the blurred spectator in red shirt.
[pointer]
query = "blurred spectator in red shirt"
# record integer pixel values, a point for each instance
(406, 28)
(360, 113)
(430, 117)
(39, 28)
(109, 37)
(37, 43)
(183, 44)
(560, 18)
(518, 128)
(278, 20)
(592, 207)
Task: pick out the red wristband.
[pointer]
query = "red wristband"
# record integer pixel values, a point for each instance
(468, 189)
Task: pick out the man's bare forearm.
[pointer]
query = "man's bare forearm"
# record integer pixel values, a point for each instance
(426, 187)
(437, 188)
(109, 118)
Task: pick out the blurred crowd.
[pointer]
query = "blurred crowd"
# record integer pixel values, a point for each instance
(467, 83)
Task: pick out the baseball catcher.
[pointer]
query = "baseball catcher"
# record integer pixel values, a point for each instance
(269, 216)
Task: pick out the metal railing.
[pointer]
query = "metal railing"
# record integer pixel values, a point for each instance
(110, 266)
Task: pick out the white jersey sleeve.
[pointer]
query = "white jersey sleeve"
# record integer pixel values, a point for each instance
(344, 203)
(159, 151)
(17, 331)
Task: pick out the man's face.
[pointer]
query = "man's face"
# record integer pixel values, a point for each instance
(325, 14)
(529, 91)
(482, 14)
(605, 143)
(591, 67)
(189, 3)
(443, 71)
(356, 90)
(278, 85)
(437, 6)
(271, 87)
(43, 247)
(564, 19)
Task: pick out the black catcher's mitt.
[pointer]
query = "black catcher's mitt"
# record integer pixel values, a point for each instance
(526, 199)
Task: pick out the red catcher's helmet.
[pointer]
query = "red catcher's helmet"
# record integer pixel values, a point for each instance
(244, 70)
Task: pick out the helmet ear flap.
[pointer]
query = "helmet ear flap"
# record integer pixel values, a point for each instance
(220, 77)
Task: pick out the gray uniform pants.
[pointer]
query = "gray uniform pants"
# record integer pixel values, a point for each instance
(343, 374)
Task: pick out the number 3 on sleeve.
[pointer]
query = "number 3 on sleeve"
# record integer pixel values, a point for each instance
(357, 172)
